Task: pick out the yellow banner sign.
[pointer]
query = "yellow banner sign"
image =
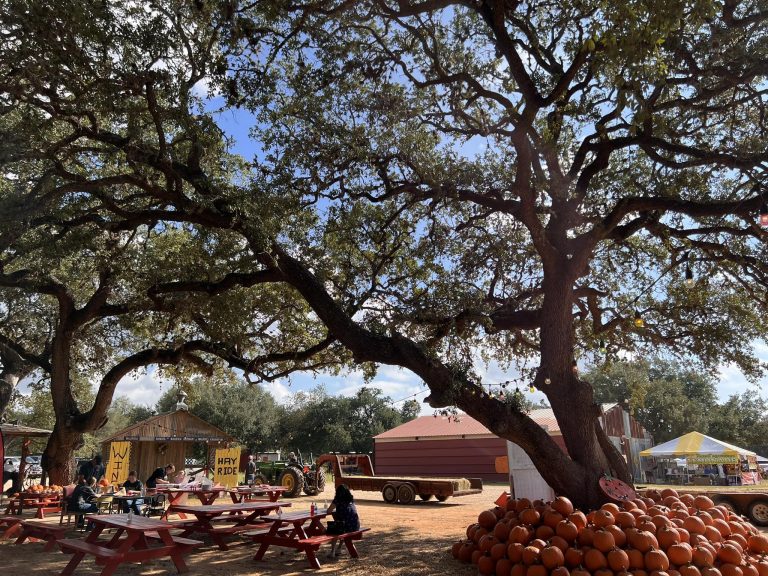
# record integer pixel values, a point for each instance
(119, 462)
(226, 465)
(713, 459)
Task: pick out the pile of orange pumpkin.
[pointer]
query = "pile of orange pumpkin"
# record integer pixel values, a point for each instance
(659, 534)
(41, 489)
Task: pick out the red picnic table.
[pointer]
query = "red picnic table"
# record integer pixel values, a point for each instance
(179, 496)
(145, 539)
(44, 502)
(288, 530)
(241, 517)
(243, 493)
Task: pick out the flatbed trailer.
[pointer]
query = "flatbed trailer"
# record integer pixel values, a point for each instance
(400, 490)
(753, 505)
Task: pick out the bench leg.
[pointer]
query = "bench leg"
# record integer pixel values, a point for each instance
(12, 531)
(70, 568)
(109, 568)
(219, 541)
(312, 557)
(50, 544)
(178, 561)
(351, 547)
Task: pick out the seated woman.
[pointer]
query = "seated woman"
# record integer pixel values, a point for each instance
(133, 484)
(83, 499)
(345, 518)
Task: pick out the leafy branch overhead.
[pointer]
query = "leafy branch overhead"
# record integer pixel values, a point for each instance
(430, 182)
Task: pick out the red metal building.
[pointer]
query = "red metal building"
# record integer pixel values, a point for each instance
(461, 446)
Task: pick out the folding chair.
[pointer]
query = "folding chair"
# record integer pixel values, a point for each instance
(154, 505)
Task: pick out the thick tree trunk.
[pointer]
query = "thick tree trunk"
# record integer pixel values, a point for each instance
(58, 457)
(12, 369)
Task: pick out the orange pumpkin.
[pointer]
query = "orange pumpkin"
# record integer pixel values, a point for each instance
(536, 570)
(703, 502)
(603, 518)
(667, 536)
(465, 552)
(594, 560)
(579, 519)
(515, 552)
(761, 566)
(636, 559)
(604, 541)
(530, 516)
(567, 530)
(487, 519)
(476, 555)
(618, 560)
(656, 560)
(486, 565)
(552, 557)
(559, 571)
(455, 549)
(562, 505)
(729, 554)
(758, 543)
(503, 567)
(694, 525)
(501, 532)
(625, 520)
(530, 555)
(643, 541)
(498, 550)
(689, 570)
(680, 554)
(574, 557)
(619, 535)
(559, 542)
(544, 532)
(728, 569)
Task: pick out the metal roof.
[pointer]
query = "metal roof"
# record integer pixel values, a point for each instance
(179, 425)
(17, 431)
(461, 425)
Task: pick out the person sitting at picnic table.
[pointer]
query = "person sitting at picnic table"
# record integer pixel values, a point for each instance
(83, 499)
(160, 476)
(93, 468)
(133, 484)
(345, 518)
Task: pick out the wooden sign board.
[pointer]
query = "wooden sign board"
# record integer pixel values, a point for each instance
(119, 462)
(226, 465)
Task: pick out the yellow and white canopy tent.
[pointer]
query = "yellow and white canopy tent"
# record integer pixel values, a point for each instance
(697, 448)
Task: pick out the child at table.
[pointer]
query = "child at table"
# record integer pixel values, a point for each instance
(133, 484)
(345, 518)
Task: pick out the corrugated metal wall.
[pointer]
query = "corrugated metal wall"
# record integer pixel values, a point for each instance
(469, 458)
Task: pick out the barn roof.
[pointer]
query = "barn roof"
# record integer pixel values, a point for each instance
(179, 425)
(463, 425)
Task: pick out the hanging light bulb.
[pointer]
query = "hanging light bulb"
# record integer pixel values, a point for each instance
(638, 321)
(531, 388)
(603, 349)
(574, 367)
(689, 281)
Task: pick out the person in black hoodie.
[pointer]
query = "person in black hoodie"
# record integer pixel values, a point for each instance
(83, 499)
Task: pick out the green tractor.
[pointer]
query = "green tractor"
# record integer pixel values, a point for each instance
(293, 474)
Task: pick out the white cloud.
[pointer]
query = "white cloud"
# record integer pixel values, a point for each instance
(142, 389)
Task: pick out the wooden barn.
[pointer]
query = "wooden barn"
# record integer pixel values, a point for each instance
(461, 446)
(166, 439)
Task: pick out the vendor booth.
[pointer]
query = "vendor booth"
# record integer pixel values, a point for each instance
(697, 459)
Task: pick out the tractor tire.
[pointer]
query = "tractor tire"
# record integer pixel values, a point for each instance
(293, 480)
(314, 482)
(406, 494)
(389, 493)
(260, 479)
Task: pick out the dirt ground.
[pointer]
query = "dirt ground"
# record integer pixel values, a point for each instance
(403, 540)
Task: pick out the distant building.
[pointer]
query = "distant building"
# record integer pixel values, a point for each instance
(461, 446)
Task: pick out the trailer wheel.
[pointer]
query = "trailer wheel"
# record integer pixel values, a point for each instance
(442, 498)
(727, 504)
(758, 512)
(406, 494)
(389, 493)
(425, 497)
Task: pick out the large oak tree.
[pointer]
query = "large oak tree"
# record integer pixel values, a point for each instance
(434, 180)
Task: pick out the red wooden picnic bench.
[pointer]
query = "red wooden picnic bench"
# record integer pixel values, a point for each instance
(10, 525)
(128, 544)
(40, 530)
(349, 538)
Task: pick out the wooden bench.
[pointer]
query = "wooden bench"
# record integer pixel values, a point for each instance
(254, 533)
(314, 542)
(39, 530)
(83, 547)
(176, 539)
(11, 526)
(13, 506)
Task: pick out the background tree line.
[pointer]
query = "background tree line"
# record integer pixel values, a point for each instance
(313, 421)
(669, 400)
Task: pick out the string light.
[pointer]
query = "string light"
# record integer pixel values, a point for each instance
(574, 367)
(689, 281)
(602, 348)
(638, 321)
(532, 389)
